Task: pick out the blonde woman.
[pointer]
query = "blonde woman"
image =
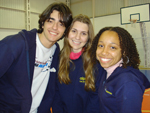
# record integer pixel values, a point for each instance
(76, 80)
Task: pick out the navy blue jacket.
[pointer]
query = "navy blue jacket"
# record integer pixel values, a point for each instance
(73, 98)
(123, 91)
(17, 61)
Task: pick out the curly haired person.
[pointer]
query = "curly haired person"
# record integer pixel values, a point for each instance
(121, 88)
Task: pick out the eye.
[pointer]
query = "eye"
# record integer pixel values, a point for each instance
(50, 21)
(73, 30)
(62, 24)
(113, 47)
(84, 34)
(100, 45)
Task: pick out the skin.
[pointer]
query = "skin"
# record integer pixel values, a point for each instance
(53, 30)
(78, 36)
(108, 50)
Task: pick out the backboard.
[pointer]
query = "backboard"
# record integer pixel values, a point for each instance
(140, 13)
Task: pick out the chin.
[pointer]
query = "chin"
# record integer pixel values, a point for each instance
(104, 66)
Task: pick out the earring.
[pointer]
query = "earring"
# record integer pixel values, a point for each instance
(126, 57)
(127, 60)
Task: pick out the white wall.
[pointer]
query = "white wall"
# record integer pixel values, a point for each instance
(6, 32)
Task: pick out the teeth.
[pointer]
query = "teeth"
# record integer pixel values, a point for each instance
(53, 33)
(76, 42)
(104, 59)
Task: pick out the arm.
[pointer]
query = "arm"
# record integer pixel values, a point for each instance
(93, 101)
(10, 49)
(129, 98)
(57, 103)
(6, 58)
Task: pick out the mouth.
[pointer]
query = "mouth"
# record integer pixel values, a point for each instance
(105, 60)
(76, 42)
(53, 33)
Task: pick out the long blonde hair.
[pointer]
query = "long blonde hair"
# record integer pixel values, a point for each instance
(64, 65)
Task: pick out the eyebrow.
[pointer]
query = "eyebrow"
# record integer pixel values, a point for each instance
(81, 31)
(54, 19)
(110, 43)
(115, 44)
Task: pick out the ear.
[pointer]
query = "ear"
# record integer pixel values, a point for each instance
(124, 54)
(42, 24)
(96, 58)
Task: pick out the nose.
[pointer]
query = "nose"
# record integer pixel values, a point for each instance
(55, 26)
(77, 36)
(104, 51)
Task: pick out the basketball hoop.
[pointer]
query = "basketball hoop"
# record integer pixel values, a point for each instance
(133, 21)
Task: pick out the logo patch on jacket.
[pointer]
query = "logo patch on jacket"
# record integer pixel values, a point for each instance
(82, 79)
(108, 91)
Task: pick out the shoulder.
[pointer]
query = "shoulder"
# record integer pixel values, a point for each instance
(29, 36)
(16, 43)
(125, 75)
(57, 50)
(99, 70)
(13, 42)
(19, 37)
(12, 39)
(128, 76)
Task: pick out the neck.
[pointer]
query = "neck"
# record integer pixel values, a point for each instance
(44, 41)
(74, 56)
(112, 68)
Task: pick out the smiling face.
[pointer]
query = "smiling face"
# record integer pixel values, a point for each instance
(108, 49)
(78, 36)
(53, 29)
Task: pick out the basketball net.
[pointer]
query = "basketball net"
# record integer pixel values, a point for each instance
(133, 21)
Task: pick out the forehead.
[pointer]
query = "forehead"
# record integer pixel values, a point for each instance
(56, 15)
(80, 26)
(109, 37)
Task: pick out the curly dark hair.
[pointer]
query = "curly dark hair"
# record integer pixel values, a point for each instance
(129, 51)
(65, 13)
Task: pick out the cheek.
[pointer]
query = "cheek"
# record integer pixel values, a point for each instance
(63, 30)
(69, 40)
(117, 56)
(97, 52)
(85, 39)
(45, 26)
(70, 36)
